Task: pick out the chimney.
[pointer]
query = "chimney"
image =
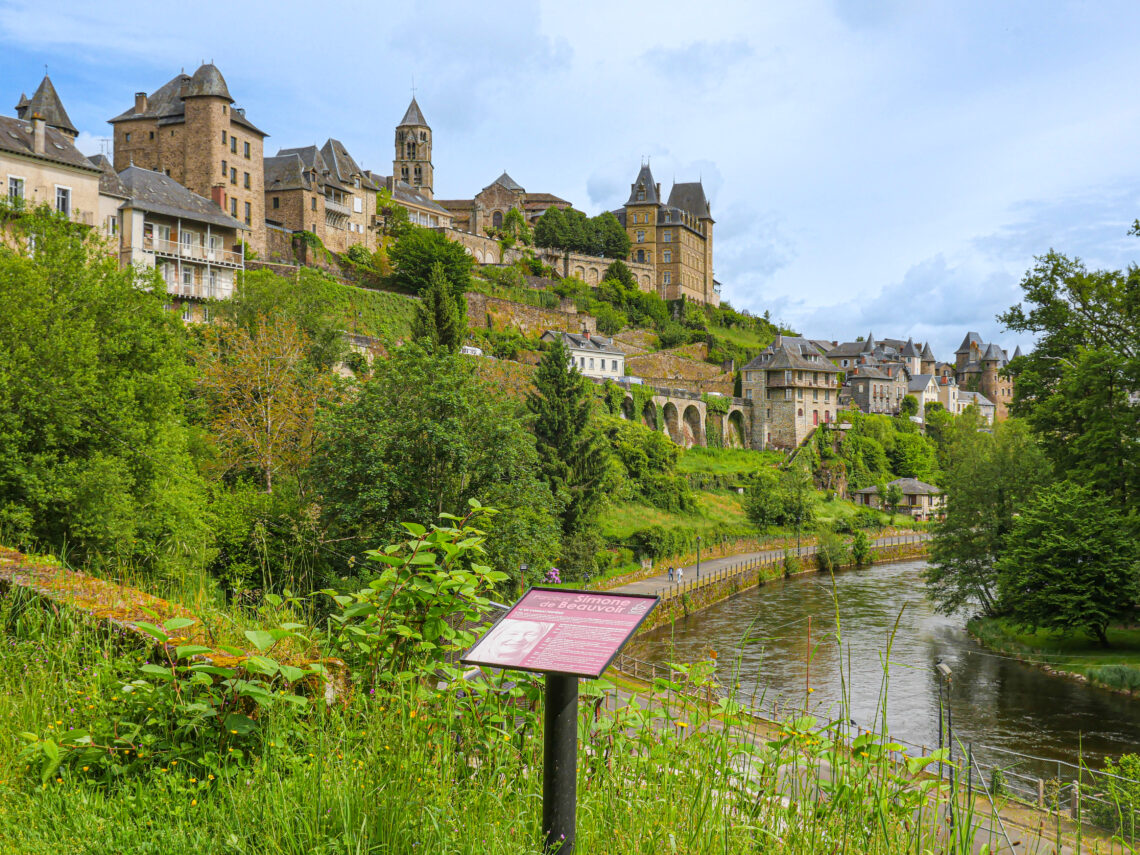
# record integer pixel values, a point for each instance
(658, 191)
(218, 194)
(140, 102)
(39, 134)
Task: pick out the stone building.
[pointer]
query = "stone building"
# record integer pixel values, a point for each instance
(920, 500)
(986, 407)
(490, 205)
(978, 368)
(675, 236)
(878, 388)
(39, 163)
(793, 388)
(190, 130)
(324, 191)
(188, 238)
(412, 163)
(593, 355)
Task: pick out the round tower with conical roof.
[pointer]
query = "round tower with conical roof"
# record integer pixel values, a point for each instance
(412, 163)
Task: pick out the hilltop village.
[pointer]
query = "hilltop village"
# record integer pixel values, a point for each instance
(192, 192)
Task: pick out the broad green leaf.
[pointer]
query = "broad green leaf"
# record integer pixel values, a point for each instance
(260, 639)
(292, 673)
(261, 665)
(177, 623)
(151, 629)
(242, 725)
(187, 650)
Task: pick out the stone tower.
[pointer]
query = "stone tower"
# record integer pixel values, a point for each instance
(641, 219)
(412, 163)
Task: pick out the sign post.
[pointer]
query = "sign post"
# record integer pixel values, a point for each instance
(566, 635)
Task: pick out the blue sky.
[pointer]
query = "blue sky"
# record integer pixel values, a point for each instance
(872, 164)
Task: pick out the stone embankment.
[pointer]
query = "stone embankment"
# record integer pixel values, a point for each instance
(722, 578)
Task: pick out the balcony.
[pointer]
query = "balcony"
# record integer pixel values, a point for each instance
(332, 207)
(191, 252)
(200, 291)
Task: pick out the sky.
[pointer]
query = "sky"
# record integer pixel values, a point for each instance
(885, 166)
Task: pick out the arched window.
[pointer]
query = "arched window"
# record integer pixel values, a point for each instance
(497, 219)
(410, 148)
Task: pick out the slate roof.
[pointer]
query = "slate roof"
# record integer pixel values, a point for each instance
(909, 487)
(868, 372)
(109, 182)
(971, 338)
(16, 138)
(919, 382)
(413, 116)
(592, 343)
(406, 193)
(505, 180)
(994, 352)
(975, 398)
(910, 351)
(342, 165)
(159, 194)
(165, 104)
(927, 353)
(45, 101)
(644, 177)
(792, 351)
(869, 343)
(1017, 351)
(847, 348)
(690, 197)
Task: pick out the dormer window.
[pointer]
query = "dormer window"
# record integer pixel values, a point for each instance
(640, 192)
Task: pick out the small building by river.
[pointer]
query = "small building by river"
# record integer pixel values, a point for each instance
(921, 501)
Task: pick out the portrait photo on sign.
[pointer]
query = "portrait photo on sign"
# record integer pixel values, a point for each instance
(510, 640)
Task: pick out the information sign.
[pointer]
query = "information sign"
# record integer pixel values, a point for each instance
(560, 631)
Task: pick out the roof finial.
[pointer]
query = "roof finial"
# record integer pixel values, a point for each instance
(45, 69)
(413, 87)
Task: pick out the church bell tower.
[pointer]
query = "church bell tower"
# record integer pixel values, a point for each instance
(412, 163)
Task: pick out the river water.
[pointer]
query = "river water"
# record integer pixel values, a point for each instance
(997, 702)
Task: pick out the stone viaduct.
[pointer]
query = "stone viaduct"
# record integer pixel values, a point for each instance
(684, 417)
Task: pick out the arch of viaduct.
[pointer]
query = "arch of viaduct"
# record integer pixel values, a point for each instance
(685, 419)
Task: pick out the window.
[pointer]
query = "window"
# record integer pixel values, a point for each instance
(641, 255)
(152, 135)
(245, 180)
(223, 137)
(276, 202)
(640, 236)
(668, 280)
(187, 312)
(213, 285)
(248, 214)
(245, 150)
(497, 219)
(357, 205)
(63, 200)
(15, 188)
(423, 136)
(748, 394)
(815, 394)
(233, 144)
(233, 207)
(356, 182)
(313, 202)
(640, 192)
(188, 276)
(233, 175)
(410, 151)
(205, 314)
(404, 173)
(613, 366)
(225, 169)
(668, 238)
(127, 138)
(591, 363)
(667, 256)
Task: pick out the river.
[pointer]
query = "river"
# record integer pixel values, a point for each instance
(997, 701)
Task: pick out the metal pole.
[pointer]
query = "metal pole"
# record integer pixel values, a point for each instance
(560, 764)
(698, 556)
(950, 752)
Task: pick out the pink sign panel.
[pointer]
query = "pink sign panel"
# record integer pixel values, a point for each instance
(554, 630)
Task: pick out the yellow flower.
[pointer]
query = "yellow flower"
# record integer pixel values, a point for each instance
(193, 780)
(59, 780)
(173, 762)
(193, 802)
(211, 777)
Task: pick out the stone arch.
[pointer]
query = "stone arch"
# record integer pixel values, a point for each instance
(646, 284)
(672, 422)
(497, 220)
(649, 416)
(580, 272)
(592, 276)
(627, 408)
(734, 430)
(694, 428)
(478, 256)
(490, 257)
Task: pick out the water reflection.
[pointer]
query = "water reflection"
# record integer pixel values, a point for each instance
(996, 701)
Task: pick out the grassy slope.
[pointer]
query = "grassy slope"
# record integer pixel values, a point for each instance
(1075, 652)
(381, 314)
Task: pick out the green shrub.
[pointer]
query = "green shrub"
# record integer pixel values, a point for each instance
(1117, 806)
(831, 551)
(861, 548)
(1123, 677)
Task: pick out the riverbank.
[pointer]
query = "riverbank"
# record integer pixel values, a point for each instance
(726, 576)
(1073, 656)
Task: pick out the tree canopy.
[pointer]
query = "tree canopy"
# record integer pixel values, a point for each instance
(572, 230)
(438, 319)
(418, 250)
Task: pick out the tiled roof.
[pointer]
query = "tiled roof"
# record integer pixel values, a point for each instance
(971, 338)
(976, 398)
(927, 353)
(341, 163)
(644, 179)
(155, 192)
(409, 195)
(16, 137)
(910, 351)
(46, 103)
(592, 343)
(847, 348)
(788, 351)
(165, 104)
(285, 172)
(506, 181)
(909, 487)
(109, 182)
(919, 382)
(208, 81)
(413, 116)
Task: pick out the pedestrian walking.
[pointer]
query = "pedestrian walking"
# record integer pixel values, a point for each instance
(680, 574)
(670, 574)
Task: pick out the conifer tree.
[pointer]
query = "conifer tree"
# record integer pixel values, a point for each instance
(573, 455)
(438, 320)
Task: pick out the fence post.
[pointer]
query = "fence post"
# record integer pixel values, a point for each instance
(1040, 793)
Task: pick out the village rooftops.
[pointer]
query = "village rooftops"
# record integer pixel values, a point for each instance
(159, 194)
(909, 487)
(166, 103)
(109, 182)
(584, 341)
(18, 137)
(787, 351)
(46, 104)
(919, 382)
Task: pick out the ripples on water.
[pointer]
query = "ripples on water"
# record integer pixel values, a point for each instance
(996, 701)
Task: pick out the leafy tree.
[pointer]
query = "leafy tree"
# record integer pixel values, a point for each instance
(418, 250)
(861, 548)
(647, 466)
(764, 502)
(1074, 387)
(94, 451)
(990, 478)
(262, 396)
(424, 436)
(614, 237)
(799, 497)
(915, 456)
(1070, 563)
(515, 228)
(437, 320)
(550, 229)
(610, 320)
(569, 446)
(892, 498)
(618, 271)
(909, 406)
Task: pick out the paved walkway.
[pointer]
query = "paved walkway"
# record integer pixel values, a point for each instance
(711, 567)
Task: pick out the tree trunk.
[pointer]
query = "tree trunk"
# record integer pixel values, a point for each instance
(1101, 632)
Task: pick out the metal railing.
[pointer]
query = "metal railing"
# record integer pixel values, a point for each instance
(745, 568)
(191, 252)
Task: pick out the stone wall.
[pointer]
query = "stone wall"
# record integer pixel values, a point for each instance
(591, 269)
(495, 313)
(670, 370)
(278, 245)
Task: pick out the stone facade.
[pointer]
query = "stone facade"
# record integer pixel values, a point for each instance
(793, 388)
(591, 269)
(594, 356)
(190, 130)
(675, 237)
(499, 314)
(486, 211)
(978, 367)
(412, 163)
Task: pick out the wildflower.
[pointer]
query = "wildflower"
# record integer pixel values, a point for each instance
(85, 768)
(193, 802)
(211, 777)
(193, 780)
(233, 731)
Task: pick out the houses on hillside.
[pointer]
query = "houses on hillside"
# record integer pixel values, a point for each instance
(593, 355)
